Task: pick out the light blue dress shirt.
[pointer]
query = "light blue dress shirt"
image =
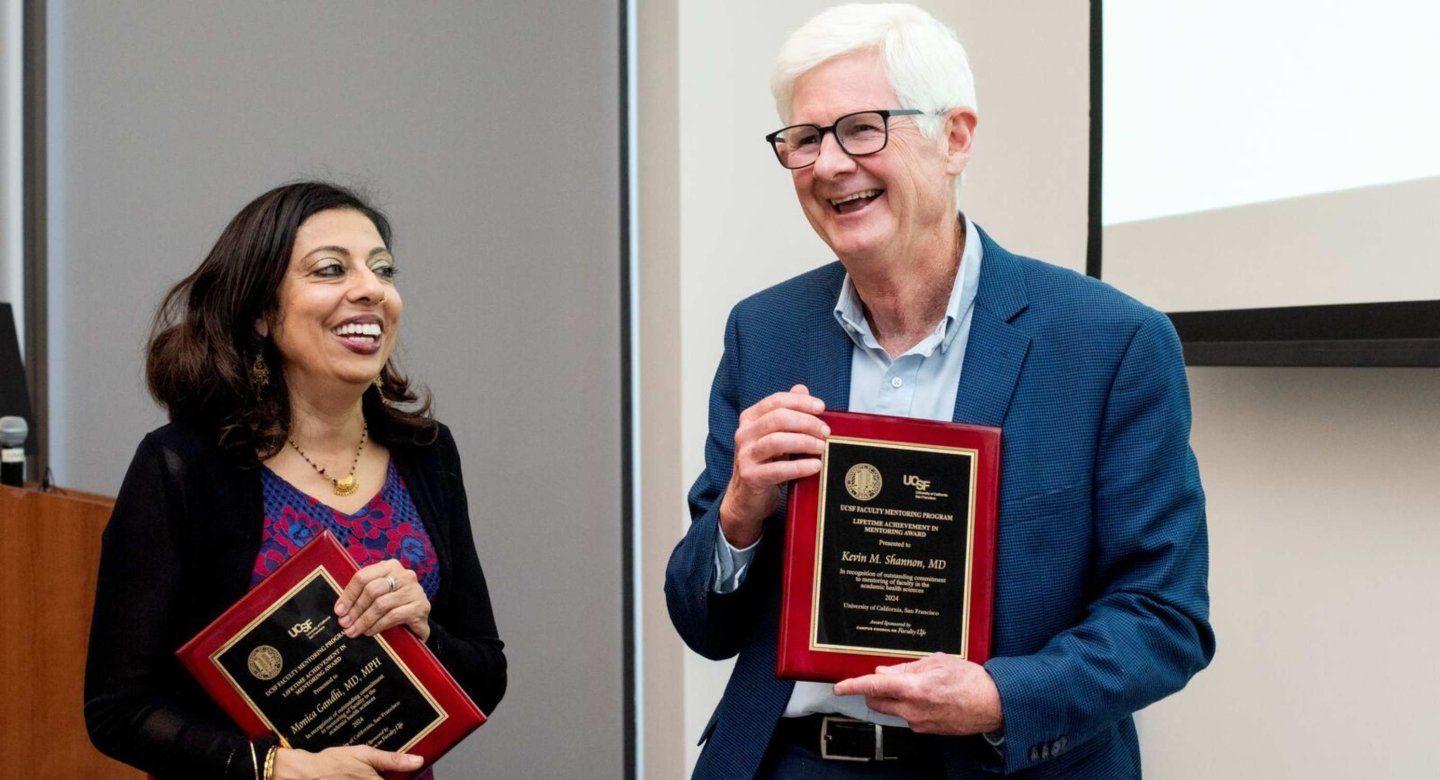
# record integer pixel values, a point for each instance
(921, 383)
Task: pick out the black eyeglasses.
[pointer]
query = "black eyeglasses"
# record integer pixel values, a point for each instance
(859, 134)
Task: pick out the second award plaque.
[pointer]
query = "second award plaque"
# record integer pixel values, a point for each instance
(889, 552)
(278, 663)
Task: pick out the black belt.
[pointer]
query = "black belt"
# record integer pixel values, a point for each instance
(838, 738)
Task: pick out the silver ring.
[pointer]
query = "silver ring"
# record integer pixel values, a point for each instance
(390, 578)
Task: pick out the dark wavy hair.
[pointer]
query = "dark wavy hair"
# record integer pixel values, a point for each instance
(203, 342)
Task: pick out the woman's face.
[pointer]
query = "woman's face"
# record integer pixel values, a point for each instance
(338, 304)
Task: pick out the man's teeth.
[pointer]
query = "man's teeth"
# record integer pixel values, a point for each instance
(856, 196)
(371, 329)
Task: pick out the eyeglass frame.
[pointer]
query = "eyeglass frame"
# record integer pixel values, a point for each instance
(885, 114)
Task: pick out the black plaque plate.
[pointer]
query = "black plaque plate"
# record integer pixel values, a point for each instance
(893, 548)
(316, 687)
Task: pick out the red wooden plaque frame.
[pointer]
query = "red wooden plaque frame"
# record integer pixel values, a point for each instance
(461, 716)
(796, 658)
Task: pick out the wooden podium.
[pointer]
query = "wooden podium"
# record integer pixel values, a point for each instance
(49, 556)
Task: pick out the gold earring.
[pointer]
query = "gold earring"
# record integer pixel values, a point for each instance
(379, 385)
(259, 373)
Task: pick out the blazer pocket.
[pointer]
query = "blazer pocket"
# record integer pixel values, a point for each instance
(1065, 495)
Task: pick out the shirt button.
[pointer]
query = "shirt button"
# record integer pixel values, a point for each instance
(896, 381)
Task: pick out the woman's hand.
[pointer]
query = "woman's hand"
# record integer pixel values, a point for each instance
(354, 762)
(382, 595)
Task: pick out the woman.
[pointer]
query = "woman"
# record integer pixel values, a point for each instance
(287, 418)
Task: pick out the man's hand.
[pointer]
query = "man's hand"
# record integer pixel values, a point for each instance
(778, 427)
(938, 694)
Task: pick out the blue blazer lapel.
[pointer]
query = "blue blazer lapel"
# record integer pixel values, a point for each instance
(827, 348)
(996, 349)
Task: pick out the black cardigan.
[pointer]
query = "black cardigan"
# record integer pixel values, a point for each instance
(179, 550)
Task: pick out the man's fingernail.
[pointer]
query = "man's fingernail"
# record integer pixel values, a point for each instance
(824, 430)
(817, 404)
(412, 759)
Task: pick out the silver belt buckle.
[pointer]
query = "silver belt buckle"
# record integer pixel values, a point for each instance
(825, 740)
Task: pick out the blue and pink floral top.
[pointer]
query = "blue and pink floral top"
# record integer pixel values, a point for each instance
(386, 527)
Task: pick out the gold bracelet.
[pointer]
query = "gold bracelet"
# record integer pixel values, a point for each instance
(270, 763)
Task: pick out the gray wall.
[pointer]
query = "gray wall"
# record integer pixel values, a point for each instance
(488, 130)
(11, 163)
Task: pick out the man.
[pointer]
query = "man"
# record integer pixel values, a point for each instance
(1101, 604)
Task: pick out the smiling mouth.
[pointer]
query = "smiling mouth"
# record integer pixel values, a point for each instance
(855, 202)
(366, 333)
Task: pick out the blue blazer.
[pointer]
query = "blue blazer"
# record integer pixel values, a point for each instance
(1101, 605)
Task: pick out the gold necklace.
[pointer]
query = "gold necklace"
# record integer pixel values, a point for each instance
(347, 484)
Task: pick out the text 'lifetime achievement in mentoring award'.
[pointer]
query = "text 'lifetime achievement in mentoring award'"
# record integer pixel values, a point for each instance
(890, 549)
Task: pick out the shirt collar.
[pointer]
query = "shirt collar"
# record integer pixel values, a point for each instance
(850, 310)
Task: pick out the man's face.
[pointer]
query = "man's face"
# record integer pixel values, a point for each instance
(907, 187)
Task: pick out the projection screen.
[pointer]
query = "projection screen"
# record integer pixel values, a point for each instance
(1269, 174)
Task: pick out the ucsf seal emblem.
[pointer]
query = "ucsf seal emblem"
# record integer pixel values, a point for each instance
(265, 662)
(863, 481)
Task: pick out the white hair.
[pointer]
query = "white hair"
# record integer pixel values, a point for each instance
(924, 61)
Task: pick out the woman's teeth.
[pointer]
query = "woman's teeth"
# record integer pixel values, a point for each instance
(369, 330)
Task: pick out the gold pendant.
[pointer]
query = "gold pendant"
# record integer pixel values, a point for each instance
(346, 485)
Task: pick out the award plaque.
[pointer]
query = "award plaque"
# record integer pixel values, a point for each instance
(890, 549)
(278, 663)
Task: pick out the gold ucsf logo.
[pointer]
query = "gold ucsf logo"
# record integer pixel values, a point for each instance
(916, 482)
(300, 628)
(264, 662)
(863, 481)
